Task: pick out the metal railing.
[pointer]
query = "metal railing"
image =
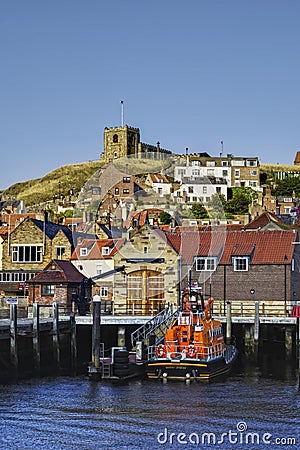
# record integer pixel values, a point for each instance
(172, 351)
(267, 308)
(156, 326)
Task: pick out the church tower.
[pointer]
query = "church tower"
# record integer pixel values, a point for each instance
(120, 142)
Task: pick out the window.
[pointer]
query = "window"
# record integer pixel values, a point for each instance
(181, 171)
(115, 138)
(48, 289)
(225, 163)
(237, 173)
(210, 163)
(60, 251)
(253, 173)
(104, 291)
(116, 191)
(83, 252)
(218, 189)
(115, 154)
(126, 179)
(205, 264)
(225, 173)
(98, 269)
(5, 276)
(195, 172)
(190, 189)
(105, 251)
(27, 253)
(251, 163)
(125, 191)
(96, 190)
(240, 263)
(210, 172)
(204, 189)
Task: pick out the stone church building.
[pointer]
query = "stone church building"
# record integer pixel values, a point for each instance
(125, 141)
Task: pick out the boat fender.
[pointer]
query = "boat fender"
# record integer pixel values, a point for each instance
(160, 351)
(191, 351)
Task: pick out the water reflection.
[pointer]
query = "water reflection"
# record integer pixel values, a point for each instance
(73, 413)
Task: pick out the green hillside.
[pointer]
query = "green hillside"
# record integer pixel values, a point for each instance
(74, 176)
(58, 181)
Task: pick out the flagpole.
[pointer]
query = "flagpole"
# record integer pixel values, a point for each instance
(122, 113)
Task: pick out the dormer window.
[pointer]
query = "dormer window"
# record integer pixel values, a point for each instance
(83, 251)
(105, 251)
(206, 264)
(240, 263)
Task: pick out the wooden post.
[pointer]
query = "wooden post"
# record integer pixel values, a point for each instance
(36, 338)
(256, 323)
(73, 345)
(55, 336)
(228, 323)
(288, 341)
(96, 332)
(13, 339)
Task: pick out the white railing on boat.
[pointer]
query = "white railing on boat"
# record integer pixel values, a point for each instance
(172, 351)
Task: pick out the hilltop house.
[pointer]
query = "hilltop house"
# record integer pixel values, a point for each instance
(237, 171)
(199, 189)
(159, 184)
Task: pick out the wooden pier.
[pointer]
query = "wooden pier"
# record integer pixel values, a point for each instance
(41, 345)
(33, 346)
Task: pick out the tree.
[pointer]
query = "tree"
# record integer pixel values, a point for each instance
(286, 187)
(238, 204)
(216, 206)
(198, 211)
(165, 218)
(240, 201)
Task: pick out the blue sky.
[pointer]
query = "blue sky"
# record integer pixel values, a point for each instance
(191, 74)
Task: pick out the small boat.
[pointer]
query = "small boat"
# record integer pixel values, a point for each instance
(193, 347)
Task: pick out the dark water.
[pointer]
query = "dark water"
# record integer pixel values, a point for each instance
(258, 407)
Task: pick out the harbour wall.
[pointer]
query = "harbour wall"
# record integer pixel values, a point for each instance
(37, 346)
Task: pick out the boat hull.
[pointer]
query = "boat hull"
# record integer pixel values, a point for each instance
(190, 368)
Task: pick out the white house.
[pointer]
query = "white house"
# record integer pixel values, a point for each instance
(94, 258)
(159, 183)
(200, 189)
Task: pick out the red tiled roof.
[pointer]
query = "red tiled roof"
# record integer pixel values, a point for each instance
(297, 158)
(263, 220)
(158, 178)
(95, 247)
(265, 247)
(63, 272)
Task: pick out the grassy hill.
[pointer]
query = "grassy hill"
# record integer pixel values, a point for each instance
(58, 181)
(74, 176)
